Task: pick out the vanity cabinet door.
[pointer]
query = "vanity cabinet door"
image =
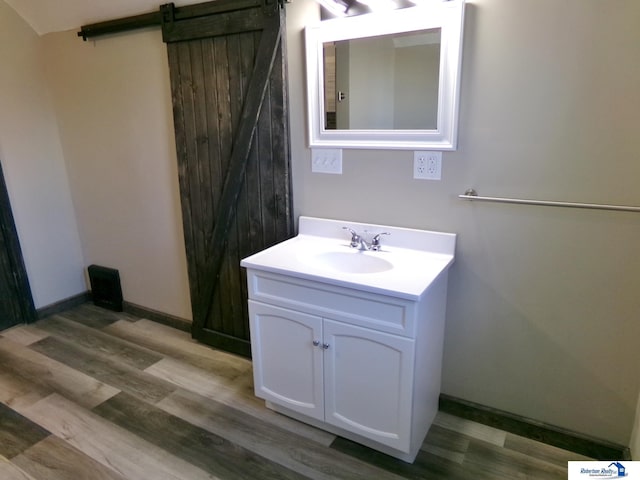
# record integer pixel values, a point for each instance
(287, 366)
(368, 381)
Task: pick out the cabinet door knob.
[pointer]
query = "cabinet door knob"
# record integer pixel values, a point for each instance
(325, 345)
(316, 343)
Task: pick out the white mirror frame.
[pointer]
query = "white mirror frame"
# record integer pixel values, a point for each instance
(446, 15)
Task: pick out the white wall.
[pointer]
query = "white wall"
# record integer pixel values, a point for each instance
(34, 167)
(113, 101)
(543, 307)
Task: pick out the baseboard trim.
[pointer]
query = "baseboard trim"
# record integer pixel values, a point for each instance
(62, 305)
(533, 429)
(156, 316)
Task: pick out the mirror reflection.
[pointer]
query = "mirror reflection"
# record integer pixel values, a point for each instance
(386, 82)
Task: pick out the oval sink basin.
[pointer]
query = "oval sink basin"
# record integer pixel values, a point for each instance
(351, 262)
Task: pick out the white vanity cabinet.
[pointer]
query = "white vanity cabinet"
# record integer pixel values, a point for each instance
(287, 366)
(361, 365)
(368, 382)
(350, 339)
(351, 377)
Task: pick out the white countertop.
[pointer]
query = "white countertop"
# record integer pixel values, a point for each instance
(416, 257)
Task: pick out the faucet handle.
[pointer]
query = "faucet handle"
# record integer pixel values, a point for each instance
(375, 241)
(355, 238)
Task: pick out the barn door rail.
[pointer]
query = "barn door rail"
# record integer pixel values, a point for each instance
(471, 194)
(156, 19)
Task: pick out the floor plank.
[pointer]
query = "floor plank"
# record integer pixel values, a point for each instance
(17, 433)
(16, 391)
(9, 471)
(446, 444)
(23, 366)
(179, 345)
(291, 451)
(114, 447)
(426, 465)
(110, 371)
(199, 381)
(55, 459)
(96, 317)
(471, 429)
(193, 444)
(489, 460)
(24, 334)
(99, 342)
(547, 453)
(237, 394)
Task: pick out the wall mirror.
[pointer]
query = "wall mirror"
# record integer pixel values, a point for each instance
(386, 80)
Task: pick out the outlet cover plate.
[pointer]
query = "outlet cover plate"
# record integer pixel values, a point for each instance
(326, 160)
(427, 165)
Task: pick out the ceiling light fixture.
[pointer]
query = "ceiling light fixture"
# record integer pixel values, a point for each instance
(336, 7)
(424, 2)
(379, 5)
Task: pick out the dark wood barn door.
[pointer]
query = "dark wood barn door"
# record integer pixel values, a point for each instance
(16, 303)
(228, 81)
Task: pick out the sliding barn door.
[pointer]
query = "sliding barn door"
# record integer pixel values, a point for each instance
(16, 303)
(228, 85)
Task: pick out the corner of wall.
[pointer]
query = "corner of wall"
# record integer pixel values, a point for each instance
(634, 446)
(34, 167)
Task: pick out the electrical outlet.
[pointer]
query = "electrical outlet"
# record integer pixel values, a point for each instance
(326, 160)
(427, 165)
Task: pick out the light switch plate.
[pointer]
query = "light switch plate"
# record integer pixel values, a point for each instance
(326, 160)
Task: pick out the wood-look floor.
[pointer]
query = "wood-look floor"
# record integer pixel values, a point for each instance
(97, 395)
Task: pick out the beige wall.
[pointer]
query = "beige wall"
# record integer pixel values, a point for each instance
(113, 102)
(34, 167)
(635, 435)
(370, 96)
(543, 313)
(416, 87)
(543, 306)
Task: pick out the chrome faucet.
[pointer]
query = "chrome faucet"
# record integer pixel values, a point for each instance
(358, 241)
(375, 242)
(355, 238)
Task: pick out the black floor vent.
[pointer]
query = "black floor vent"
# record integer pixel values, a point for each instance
(105, 287)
